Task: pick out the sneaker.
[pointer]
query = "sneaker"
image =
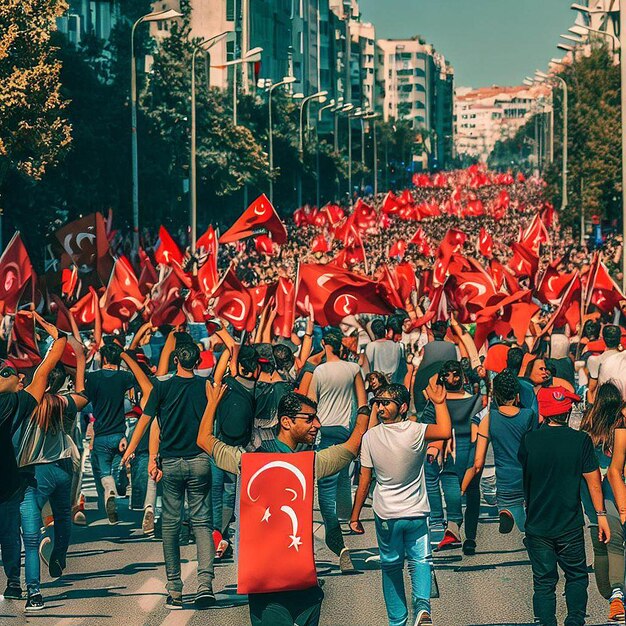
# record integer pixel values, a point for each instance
(506, 522)
(204, 599)
(469, 547)
(345, 562)
(147, 525)
(174, 603)
(45, 550)
(423, 618)
(12, 593)
(55, 569)
(111, 510)
(34, 603)
(450, 540)
(79, 519)
(616, 610)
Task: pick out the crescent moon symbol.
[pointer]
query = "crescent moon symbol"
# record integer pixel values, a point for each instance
(282, 465)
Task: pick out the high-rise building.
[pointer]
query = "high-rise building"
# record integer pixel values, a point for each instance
(491, 114)
(89, 17)
(416, 84)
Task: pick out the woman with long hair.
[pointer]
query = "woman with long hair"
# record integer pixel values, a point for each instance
(600, 423)
(46, 455)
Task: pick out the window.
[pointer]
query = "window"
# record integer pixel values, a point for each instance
(230, 10)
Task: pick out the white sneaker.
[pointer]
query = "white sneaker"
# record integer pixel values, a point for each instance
(423, 618)
(45, 550)
(345, 562)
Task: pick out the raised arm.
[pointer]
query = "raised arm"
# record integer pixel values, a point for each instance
(359, 389)
(79, 397)
(307, 342)
(39, 384)
(97, 330)
(141, 377)
(442, 428)
(206, 439)
(360, 428)
(144, 329)
(164, 359)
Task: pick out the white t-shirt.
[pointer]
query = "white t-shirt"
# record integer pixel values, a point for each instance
(613, 369)
(396, 452)
(594, 362)
(334, 389)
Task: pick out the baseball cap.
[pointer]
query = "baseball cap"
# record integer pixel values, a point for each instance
(555, 401)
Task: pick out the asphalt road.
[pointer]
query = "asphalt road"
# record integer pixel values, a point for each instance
(115, 578)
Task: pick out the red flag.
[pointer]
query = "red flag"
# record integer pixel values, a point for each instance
(148, 277)
(390, 204)
(552, 285)
(276, 523)
(502, 277)
(167, 250)
(23, 351)
(285, 307)
(15, 270)
(231, 300)
(535, 235)
(334, 213)
(336, 293)
(365, 216)
(264, 244)
(524, 262)
(122, 298)
(601, 290)
(451, 244)
(207, 244)
(320, 244)
(85, 241)
(398, 249)
(471, 292)
(259, 218)
(69, 281)
(485, 243)
(390, 285)
(568, 310)
(84, 311)
(259, 297)
(166, 304)
(406, 281)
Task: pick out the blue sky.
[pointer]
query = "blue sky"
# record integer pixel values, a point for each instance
(488, 42)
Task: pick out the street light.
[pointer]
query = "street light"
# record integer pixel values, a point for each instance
(576, 40)
(203, 46)
(287, 80)
(319, 95)
(581, 29)
(352, 114)
(566, 47)
(168, 14)
(331, 104)
(373, 116)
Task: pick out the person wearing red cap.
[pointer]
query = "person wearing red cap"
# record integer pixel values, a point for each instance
(554, 460)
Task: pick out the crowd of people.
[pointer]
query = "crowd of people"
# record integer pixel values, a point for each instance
(427, 422)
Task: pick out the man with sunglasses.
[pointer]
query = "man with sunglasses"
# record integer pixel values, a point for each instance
(16, 406)
(298, 426)
(395, 450)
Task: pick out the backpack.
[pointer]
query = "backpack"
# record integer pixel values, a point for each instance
(235, 414)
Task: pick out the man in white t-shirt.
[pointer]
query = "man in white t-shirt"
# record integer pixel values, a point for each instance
(612, 336)
(338, 388)
(395, 450)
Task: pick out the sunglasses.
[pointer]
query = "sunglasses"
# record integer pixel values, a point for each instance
(384, 401)
(308, 417)
(7, 372)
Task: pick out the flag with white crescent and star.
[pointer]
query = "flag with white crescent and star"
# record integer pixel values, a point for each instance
(276, 523)
(259, 218)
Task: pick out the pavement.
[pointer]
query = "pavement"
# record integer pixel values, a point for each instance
(115, 577)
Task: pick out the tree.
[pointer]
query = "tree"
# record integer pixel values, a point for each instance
(33, 131)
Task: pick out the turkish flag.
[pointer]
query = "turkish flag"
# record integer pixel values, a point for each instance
(568, 312)
(398, 249)
(285, 307)
(390, 285)
(86, 243)
(259, 218)
(276, 523)
(485, 243)
(15, 270)
(601, 290)
(264, 245)
(471, 292)
(207, 244)
(23, 351)
(336, 293)
(390, 204)
(69, 281)
(148, 277)
(552, 285)
(167, 250)
(451, 244)
(320, 244)
(405, 280)
(166, 300)
(365, 216)
(122, 298)
(334, 213)
(535, 235)
(84, 311)
(231, 300)
(502, 277)
(259, 297)
(524, 262)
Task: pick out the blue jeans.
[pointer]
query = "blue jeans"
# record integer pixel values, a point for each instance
(451, 478)
(191, 477)
(107, 448)
(334, 490)
(10, 542)
(139, 480)
(432, 473)
(54, 484)
(514, 504)
(399, 539)
(223, 489)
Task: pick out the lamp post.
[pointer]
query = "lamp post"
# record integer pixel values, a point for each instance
(168, 14)
(581, 29)
(203, 46)
(321, 96)
(287, 80)
(337, 111)
(351, 114)
(330, 105)
(371, 115)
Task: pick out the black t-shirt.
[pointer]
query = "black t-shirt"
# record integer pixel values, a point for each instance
(15, 408)
(553, 459)
(105, 390)
(235, 414)
(267, 397)
(178, 404)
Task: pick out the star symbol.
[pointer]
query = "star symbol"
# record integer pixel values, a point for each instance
(266, 515)
(296, 542)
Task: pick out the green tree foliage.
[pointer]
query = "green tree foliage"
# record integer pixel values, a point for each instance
(33, 130)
